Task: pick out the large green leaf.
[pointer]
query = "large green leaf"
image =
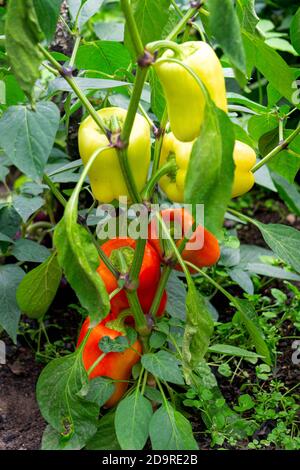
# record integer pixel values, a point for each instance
(27, 136)
(47, 12)
(271, 65)
(225, 27)
(10, 277)
(295, 31)
(22, 35)
(163, 365)
(38, 288)
(198, 328)
(217, 198)
(58, 396)
(284, 241)
(170, 430)
(151, 18)
(132, 420)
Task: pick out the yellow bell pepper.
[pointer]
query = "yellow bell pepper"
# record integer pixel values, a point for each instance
(105, 176)
(173, 185)
(244, 159)
(185, 99)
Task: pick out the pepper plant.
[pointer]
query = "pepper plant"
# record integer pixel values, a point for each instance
(163, 118)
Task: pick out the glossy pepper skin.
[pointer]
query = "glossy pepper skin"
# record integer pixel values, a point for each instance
(105, 176)
(244, 159)
(185, 99)
(148, 278)
(115, 365)
(173, 185)
(207, 255)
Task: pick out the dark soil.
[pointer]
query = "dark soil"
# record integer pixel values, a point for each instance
(21, 424)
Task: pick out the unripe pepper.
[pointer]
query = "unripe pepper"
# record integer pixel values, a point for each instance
(149, 276)
(180, 219)
(185, 99)
(105, 176)
(115, 365)
(244, 159)
(173, 184)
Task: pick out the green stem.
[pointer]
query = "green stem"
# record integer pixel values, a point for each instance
(160, 290)
(55, 190)
(176, 8)
(182, 23)
(132, 27)
(167, 168)
(75, 50)
(97, 361)
(78, 92)
(159, 141)
(137, 259)
(138, 314)
(282, 146)
(164, 44)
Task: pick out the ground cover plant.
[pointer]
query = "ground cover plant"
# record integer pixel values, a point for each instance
(149, 224)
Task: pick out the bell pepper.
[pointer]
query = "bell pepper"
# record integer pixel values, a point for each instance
(181, 220)
(115, 365)
(105, 176)
(149, 276)
(244, 159)
(173, 185)
(185, 99)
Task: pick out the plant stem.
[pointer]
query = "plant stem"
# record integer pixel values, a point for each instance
(55, 190)
(182, 23)
(176, 8)
(159, 141)
(132, 27)
(97, 361)
(160, 290)
(78, 92)
(75, 50)
(138, 314)
(282, 146)
(167, 168)
(164, 44)
(137, 259)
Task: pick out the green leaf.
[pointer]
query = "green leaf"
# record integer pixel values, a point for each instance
(22, 36)
(27, 136)
(170, 430)
(28, 250)
(79, 259)
(158, 102)
(295, 31)
(242, 278)
(58, 397)
(248, 317)
(103, 56)
(111, 31)
(176, 291)
(98, 390)
(105, 437)
(83, 10)
(60, 84)
(38, 288)
(236, 98)
(271, 65)
(229, 350)
(47, 12)
(288, 193)
(217, 198)
(164, 366)
(226, 29)
(205, 160)
(198, 328)
(284, 241)
(10, 277)
(119, 344)
(26, 206)
(151, 17)
(132, 420)
(247, 14)
(9, 221)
